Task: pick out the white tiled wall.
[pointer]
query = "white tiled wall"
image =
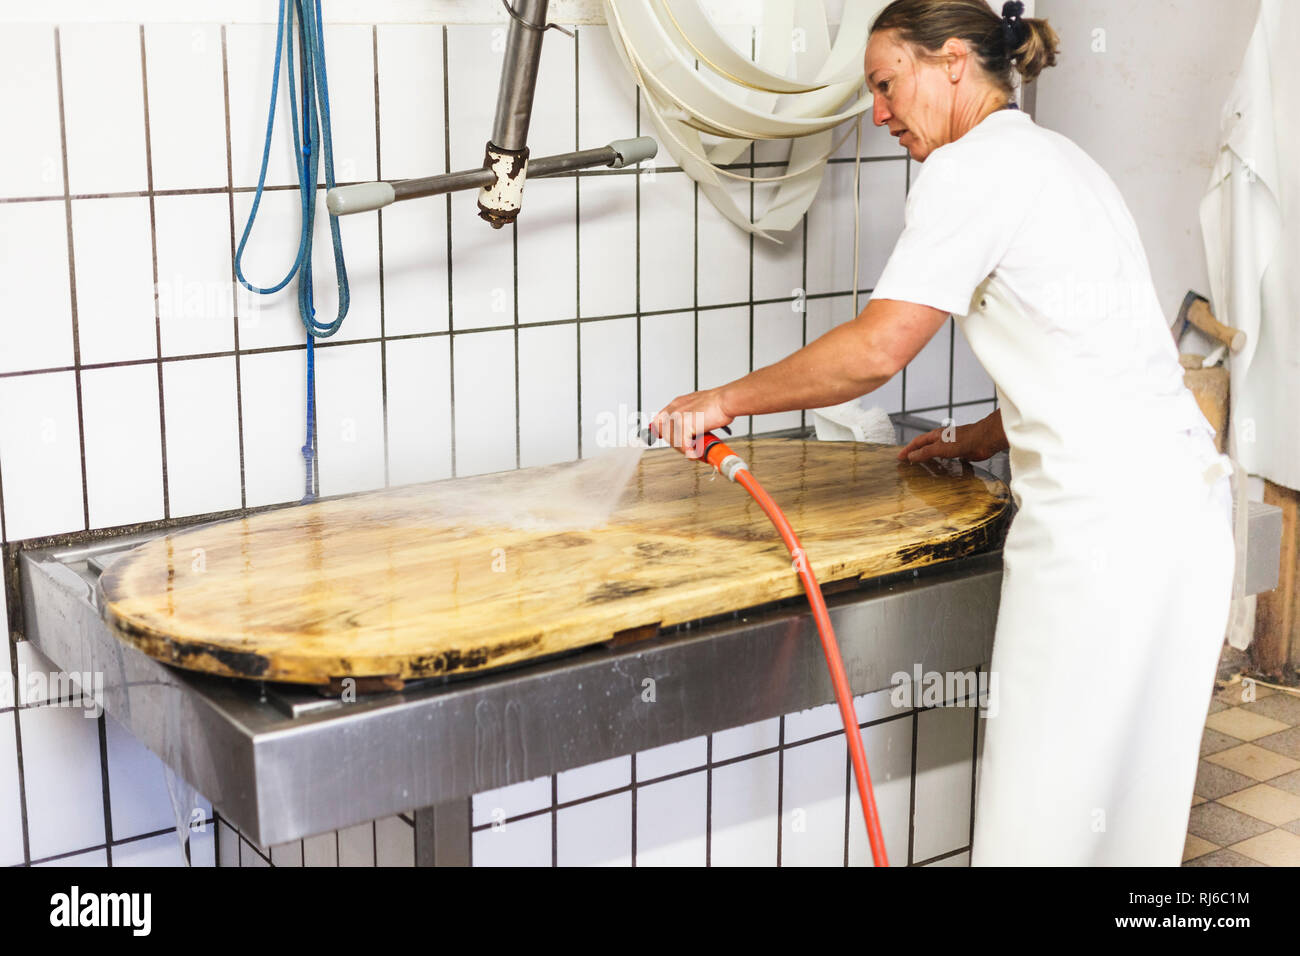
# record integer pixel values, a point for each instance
(776, 791)
(466, 350)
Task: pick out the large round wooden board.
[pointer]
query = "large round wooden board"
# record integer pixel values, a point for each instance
(401, 584)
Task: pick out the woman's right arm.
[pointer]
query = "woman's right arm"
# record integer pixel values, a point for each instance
(852, 359)
(976, 442)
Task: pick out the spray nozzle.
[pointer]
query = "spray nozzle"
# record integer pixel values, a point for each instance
(709, 448)
(649, 435)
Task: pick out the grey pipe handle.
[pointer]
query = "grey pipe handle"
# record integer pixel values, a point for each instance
(365, 197)
(632, 151)
(359, 197)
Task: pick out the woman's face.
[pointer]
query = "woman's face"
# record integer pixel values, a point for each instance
(912, 97)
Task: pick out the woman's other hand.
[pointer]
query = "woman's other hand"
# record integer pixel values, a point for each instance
(976, 442)
(687, 417)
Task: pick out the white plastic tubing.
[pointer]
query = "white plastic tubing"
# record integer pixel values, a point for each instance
(739, 100)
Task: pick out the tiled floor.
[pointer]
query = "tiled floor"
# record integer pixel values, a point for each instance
(1246, 811)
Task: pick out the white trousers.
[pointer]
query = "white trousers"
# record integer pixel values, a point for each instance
(1108, 638)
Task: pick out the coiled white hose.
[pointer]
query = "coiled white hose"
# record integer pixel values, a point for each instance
(739, 100)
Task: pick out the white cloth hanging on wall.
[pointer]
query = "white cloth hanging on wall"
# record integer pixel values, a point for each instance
(1250, 221)
(660, 42)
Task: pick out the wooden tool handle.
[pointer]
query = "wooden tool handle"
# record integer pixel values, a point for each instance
(1199, 315)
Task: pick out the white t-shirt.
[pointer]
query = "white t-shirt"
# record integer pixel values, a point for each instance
(1024, 238)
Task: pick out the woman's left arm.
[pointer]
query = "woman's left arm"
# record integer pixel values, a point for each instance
(850, 360)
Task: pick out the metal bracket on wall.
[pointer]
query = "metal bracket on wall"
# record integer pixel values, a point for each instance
(534, 26)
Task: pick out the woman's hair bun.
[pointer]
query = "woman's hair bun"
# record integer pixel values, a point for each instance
(1037, 49)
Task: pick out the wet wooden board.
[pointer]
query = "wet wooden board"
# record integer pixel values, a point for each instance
(399, 585)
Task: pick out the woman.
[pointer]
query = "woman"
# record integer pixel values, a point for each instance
(1118, 563)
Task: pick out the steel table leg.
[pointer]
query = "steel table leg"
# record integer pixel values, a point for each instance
(442, 834)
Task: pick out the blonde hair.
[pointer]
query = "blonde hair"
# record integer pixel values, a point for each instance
(1001, 44)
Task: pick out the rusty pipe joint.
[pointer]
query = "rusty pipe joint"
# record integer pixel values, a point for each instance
(507, 151)
(499, 201)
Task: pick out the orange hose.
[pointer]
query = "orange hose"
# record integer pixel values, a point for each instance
(843, 694)
(712, 450)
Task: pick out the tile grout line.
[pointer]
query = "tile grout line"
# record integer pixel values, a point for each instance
(106, 796)
(911, 800)
(753, 55)
(234, 281)
(577, 239)
(637, 303)
(803, 294)
(907, 188)
(974, 761)
(708, 800)
(930, 861)
(514, 272)
(848, 796)
(379, 234)
(952, 346)
(451, 328)
(695, 281)
(695, 271)
(780, 785)
(72, 279)
(18, 754)
(153, 254)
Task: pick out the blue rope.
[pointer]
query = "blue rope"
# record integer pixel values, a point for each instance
(312, 127)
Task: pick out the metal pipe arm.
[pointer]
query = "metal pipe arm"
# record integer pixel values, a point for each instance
(519, 75)
(364, 197)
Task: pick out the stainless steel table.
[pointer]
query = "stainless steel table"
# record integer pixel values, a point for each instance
(283, 763)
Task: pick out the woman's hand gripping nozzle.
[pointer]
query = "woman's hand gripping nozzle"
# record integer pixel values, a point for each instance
(709, 448)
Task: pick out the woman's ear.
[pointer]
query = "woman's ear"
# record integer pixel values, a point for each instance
(954, 54)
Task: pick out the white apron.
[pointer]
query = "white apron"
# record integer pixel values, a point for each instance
(1118, 576)
(1118, 564)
